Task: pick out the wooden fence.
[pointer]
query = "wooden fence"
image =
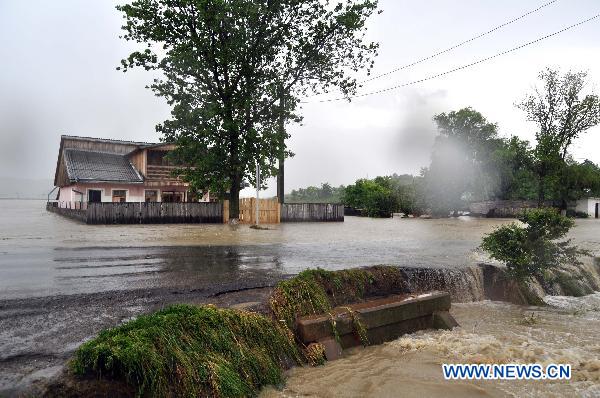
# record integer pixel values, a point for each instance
(67, 211)
(154, 213)
(308, 212)
(268, 211)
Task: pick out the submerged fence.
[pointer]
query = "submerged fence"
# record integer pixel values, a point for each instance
(306, 212)
(503, 208)
(67, 210)
(154, 213)
(270, 212)
(142, 213)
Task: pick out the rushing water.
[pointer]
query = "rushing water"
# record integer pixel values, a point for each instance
(490, 332)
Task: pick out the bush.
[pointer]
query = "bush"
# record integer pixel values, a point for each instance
(533, 249)
(577, 214)
(374, 198)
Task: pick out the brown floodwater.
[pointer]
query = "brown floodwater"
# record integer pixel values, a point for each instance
(43, 254)
(62, 281)
(490, 332)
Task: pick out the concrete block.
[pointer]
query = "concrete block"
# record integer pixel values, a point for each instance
(373, 314)
(443, 320)
(333, 349)
(384, 319)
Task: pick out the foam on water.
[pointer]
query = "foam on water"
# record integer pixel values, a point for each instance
(588, 306)
(490, 332)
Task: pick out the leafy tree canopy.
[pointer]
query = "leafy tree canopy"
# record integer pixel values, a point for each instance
(459, 159)
(231, 69)
(323, 194)
(562, 112)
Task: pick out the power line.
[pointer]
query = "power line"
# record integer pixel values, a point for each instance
(462, 66)
(459, 44)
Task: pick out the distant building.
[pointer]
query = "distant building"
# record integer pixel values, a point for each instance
(106, 170)
(591, 206)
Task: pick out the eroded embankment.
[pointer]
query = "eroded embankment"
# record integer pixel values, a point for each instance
(487, 281)
(489, 332)
(189, 350)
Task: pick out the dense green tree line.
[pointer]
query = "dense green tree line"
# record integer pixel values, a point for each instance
(496, 169)
(505, 172)
(471, 162)
(323, 194)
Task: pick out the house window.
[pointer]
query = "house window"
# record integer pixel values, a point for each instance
(119, 195)
(94, 196)
(151, 196)
(171, 196)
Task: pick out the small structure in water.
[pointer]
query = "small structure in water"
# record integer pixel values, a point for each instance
(376, 321)
(333, 310)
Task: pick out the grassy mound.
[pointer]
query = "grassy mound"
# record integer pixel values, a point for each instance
(317, 291)
(190, 351)
(194, 351)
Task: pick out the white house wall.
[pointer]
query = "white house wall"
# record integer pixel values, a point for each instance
(587, 206)
(135, 192)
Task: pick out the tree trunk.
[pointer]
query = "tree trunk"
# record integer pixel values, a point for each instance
(541, 192)
(234, 199)
(234, 167)
(564, 205)
(281, 172)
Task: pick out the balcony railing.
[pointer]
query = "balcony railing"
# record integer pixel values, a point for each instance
(160, 172)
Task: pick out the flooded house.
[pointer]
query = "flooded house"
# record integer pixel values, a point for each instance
(92, 170)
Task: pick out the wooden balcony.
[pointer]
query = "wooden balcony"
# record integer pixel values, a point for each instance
(161, 173)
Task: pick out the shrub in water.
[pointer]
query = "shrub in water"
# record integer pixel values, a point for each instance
(532, 249)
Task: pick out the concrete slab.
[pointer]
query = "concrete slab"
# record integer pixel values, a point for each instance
(384, 319)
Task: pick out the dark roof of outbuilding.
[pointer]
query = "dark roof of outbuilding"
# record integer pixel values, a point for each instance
(99, 166)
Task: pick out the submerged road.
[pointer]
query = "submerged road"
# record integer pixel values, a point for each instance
(61, 281)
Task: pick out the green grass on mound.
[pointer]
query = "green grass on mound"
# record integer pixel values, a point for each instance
(317, 291)
(191, 351)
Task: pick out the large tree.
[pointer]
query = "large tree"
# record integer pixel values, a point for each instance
(510, 169)
(232, 70)
(562, 112)
(461, 151)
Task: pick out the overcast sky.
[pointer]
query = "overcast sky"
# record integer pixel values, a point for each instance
(57, 76)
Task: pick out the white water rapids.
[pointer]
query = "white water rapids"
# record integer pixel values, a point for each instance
(491, 332)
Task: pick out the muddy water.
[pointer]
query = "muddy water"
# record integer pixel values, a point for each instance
(61, 282)
(490, 332)
(44, 254)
